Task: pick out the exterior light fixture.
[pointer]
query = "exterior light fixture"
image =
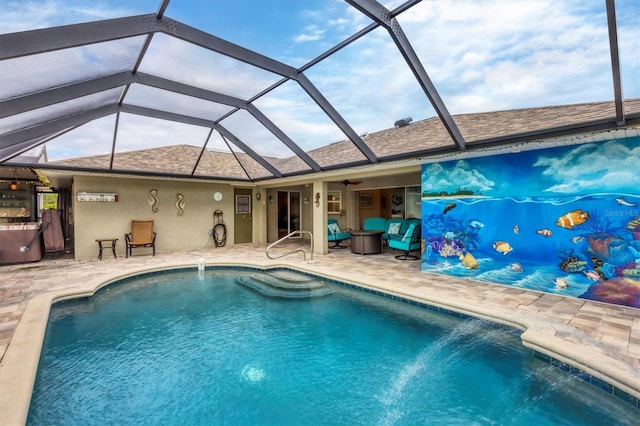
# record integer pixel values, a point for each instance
(317, 201)
(271, 199)
(13, 186)
(258, 196)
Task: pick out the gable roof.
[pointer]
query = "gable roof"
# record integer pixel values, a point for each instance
(422, 138)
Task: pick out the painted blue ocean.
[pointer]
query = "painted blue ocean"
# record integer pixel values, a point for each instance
(561, 245)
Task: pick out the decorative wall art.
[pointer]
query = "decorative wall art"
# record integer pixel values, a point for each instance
(366, 201)
(153, 200)
(180, 204)
(563, 220)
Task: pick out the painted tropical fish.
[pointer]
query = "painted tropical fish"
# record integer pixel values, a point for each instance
(561, 283)
(502, 247)
(448, 208)
(624, 202)
(469, 261)
(476, 225)
(573, 218)
(517, 267)
(592, 275)
(577, 239)
(544, 232)
(516, 229)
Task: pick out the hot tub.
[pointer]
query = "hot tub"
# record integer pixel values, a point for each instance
(20, 242)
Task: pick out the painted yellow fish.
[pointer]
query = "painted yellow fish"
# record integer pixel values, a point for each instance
(502, 247)
(469, 261)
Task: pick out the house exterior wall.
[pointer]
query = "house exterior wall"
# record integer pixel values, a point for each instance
(93, 220)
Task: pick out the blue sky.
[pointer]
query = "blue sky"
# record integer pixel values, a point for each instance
(481, 55)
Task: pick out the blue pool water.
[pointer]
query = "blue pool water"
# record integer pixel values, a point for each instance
(184, 348)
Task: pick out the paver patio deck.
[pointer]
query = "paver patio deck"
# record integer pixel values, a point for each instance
(600, 339)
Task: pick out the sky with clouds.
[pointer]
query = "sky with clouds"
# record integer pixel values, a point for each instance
(589, 168)
(481, 55)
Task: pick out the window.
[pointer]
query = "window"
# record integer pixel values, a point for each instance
(243, 203)
(413, 202)
(334, 202)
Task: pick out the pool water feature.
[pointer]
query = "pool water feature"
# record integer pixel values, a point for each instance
(193, 348)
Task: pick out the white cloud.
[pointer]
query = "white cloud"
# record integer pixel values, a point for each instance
(436, 178)
(22, 15)
(311, 33)
(514, 54)
(592, 168)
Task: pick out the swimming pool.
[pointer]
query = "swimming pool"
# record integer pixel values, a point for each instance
(186, 348)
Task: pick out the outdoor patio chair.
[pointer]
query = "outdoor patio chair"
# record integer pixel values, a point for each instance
(141, 235)
(336, 235)
(408, 242)
(374, 224)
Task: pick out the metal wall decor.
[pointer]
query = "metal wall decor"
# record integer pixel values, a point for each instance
(153, 200)
(180, 204)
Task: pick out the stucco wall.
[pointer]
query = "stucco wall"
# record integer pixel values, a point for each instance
(188, 231)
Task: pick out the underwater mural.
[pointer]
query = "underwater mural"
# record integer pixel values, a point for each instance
(562, 220)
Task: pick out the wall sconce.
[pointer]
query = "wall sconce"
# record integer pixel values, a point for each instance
(271, 199)
(258, 196)
(13, 186)
(317, 199)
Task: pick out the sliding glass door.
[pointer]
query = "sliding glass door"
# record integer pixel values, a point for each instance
(289, 210)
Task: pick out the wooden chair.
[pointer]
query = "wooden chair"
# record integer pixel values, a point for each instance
(141, 235)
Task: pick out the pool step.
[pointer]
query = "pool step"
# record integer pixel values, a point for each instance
(285, 284)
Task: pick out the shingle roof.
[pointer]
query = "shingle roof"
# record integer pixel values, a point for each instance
(419, 137)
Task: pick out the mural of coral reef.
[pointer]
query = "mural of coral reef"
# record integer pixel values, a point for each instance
(564, 220)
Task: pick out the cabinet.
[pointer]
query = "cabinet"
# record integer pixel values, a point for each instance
(15, 203)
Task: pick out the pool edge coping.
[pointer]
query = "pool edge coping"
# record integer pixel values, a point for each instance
(19, 365)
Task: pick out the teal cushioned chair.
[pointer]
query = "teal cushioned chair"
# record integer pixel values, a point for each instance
(336, 235)
(375, 224)
(395, 226)
(408, 242)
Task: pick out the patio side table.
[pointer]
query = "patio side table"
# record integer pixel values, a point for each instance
(101, 245)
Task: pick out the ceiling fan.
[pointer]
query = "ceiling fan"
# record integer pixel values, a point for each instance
(348, 182)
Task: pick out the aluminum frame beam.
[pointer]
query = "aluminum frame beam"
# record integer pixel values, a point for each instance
(61, 94)
(383, 16)
(20, 140)
(64, 93)
(328, 109)
(32, 42)
(53, 126)
(615, 60)
(275, 130)
(187, 119)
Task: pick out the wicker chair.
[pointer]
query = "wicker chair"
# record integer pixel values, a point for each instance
(141, 235)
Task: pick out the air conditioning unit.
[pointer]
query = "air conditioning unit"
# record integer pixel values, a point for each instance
(403, 122)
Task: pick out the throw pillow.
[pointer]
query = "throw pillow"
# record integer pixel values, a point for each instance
(394, 228)
(334, 228)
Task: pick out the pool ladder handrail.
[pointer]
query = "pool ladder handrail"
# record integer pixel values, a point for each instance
(286, 237)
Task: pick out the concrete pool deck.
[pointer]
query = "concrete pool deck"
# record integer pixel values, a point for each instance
(600, 339)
